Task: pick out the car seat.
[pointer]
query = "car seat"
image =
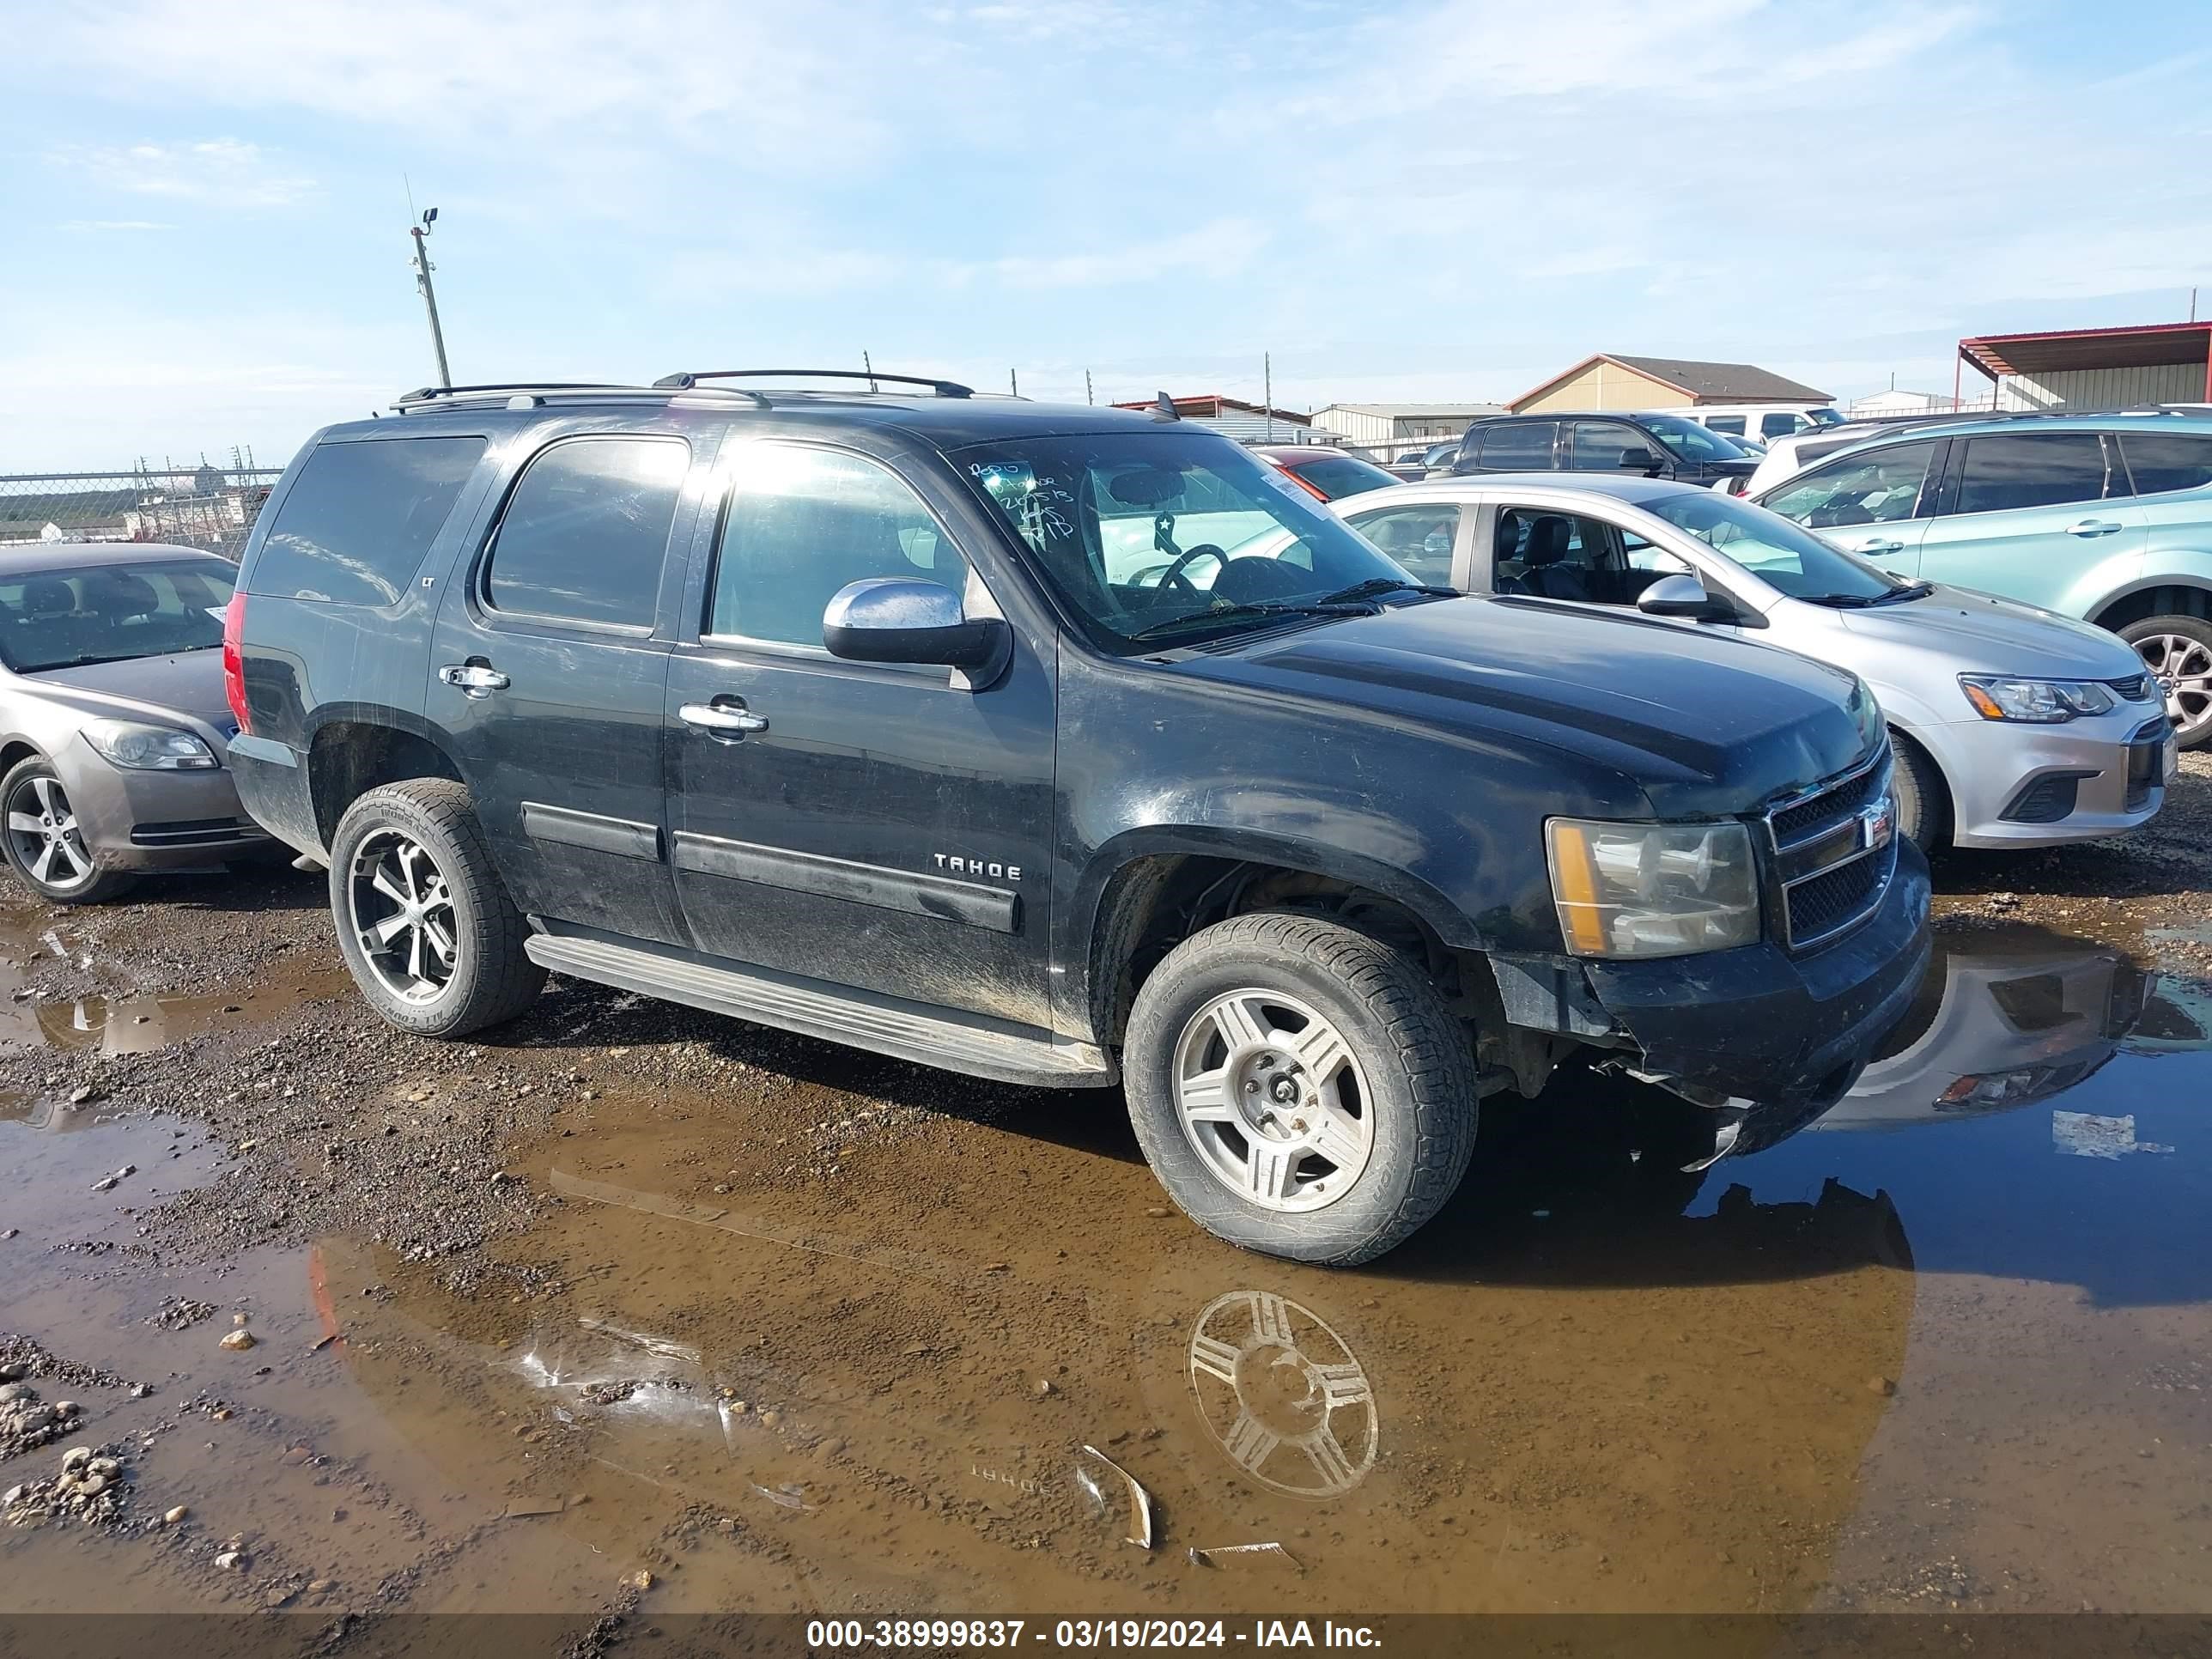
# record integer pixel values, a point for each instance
(1547, 574)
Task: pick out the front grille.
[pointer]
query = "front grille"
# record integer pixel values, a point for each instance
(1807, 819)
(2135, 689)
(2146, 761)
(1835, 849)
(1830, 901)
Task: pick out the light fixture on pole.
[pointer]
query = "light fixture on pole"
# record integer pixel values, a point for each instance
(423, 268)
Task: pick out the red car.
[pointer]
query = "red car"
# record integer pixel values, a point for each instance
(1326, 474)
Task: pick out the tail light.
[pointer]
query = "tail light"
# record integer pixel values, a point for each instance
(234, 663)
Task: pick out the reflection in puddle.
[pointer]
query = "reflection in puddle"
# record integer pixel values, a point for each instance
(1283, 1395)
(2014, 1017)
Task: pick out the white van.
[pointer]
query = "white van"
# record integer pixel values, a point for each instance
(1761, 422)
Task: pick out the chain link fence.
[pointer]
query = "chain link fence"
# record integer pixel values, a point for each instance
(207, 506)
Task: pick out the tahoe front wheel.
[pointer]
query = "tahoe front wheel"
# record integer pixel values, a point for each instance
(425, 924)
(1299, 1088)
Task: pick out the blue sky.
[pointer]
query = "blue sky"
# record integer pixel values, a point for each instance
(1450, 199)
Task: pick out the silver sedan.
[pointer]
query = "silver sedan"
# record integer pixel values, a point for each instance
(113, 723)
(2013, 726)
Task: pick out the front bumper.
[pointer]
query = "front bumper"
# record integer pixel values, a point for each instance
(2076, 778)
(157, 820)
(1789, 1034)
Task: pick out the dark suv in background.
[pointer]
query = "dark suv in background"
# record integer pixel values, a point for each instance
(1640, 445)
(959, 729)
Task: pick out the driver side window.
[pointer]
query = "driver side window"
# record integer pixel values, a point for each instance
(802, 524)
(1420, 537)
(1878, 489)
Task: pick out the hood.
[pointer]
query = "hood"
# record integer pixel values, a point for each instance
(1700, 725)
(189, 683)
(1980, 634)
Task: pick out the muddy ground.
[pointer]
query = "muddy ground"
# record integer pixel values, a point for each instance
(625, 1310)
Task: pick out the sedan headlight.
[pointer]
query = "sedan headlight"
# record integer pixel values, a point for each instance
(1652, 890)
(149, 748)
(2042, 702)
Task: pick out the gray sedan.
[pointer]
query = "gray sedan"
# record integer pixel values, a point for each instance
(2013, 726)
(113, 724)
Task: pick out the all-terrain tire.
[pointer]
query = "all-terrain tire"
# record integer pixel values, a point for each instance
(20, 793)
(2182, 647)
(1923, 800)
(1415, 1055)
(492, 978)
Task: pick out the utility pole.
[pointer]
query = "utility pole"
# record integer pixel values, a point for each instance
(420, 233)
(1267, 390)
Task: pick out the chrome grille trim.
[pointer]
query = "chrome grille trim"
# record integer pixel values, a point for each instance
(1797, 825)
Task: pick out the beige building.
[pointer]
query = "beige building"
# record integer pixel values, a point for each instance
(1606, 381)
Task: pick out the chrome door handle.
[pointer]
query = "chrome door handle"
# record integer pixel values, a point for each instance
(1875, 545)
(721, 717)
(476, 679)
(2092, 528)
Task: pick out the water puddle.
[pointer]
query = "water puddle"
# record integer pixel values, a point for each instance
(1946, 1347)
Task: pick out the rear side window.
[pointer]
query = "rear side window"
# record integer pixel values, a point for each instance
(2035, 469)
(1775, 426)
(358, 519)
(2167, 460)
(586, 531)
(1526, 447)
(1731, 424)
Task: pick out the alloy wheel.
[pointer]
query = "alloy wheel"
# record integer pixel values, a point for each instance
(43, 834)
(400, 907)
(2183, 668)
(1269, 1096)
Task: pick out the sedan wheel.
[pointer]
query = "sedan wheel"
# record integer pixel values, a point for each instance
(43, 834)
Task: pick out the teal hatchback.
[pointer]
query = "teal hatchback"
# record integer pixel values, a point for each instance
(2106, 518)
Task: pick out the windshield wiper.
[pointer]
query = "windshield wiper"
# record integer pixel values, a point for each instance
(1901, 595)
(1263, 608)
(1375, 586)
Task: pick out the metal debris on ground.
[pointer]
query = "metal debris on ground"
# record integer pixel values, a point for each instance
(1140, 1502)
(1214, 1557)
(522, 1508)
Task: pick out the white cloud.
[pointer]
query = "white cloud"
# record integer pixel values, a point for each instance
(220, 170)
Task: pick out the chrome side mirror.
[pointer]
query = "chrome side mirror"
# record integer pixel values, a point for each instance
(899, 619)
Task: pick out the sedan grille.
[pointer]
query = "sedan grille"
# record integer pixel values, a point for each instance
(2135, 689)
(1835, 849)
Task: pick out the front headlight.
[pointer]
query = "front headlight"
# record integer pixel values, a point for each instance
(1652, 890)
(149, 748)
(2041, 702)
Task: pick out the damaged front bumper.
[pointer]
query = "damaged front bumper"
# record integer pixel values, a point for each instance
(1770, 1038)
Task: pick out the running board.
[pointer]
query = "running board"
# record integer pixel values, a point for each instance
(974, 1044)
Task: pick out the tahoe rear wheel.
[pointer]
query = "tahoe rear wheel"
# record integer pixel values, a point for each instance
(46, 843)
(2178, 651)
(423, 920)
(1300, 1088)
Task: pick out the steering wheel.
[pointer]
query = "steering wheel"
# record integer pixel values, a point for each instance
(1173, 572)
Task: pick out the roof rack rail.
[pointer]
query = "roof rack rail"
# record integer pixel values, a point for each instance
(431, 393)
(685, 380)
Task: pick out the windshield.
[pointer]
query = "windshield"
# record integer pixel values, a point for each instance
(1337, 476)
(1786, 558)
(1162, 534)
(1687, 438)
(1824, 417)
(105, 613)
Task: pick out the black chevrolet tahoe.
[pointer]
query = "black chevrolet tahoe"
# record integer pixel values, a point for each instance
(1071, 746)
